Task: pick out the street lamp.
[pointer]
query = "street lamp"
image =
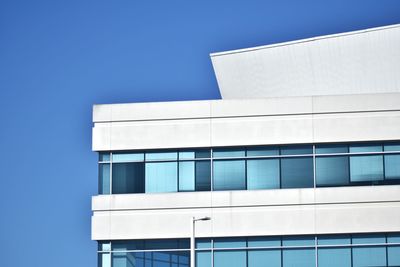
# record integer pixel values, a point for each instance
(193, 221)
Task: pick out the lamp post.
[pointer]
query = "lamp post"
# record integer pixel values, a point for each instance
(193, 221)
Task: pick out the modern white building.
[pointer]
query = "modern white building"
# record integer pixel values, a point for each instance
(298, 164)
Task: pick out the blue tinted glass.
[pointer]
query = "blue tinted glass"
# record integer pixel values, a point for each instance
(259, 258)
(330, 149)
(263, 242)
(392, 147)
(104, 156)
(233, 242)
(263, 174)
(292, 241)
(262, 151)
(298, 257)
(334, 257)
(392, 166)
(186, 176)
(203, 243)
(332, 171)
(203, 176)
(124, 259)
(161, 156)
(162, 244)
(296, 150)
(369, 256)
(104, 178)
(203, 259)
(161, 177)
(393, 255)
(225, 153)
(120, 157)
(334, 240)
(123, 245)
(229, 175)
(366, 168)
(297, 172)
(104, 260)
(369, 239)
(393, 238)
(236, 258)
(365, 148)
(128, 178)
(186, 155)
(104, 246)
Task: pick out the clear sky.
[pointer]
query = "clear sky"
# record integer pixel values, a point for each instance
(58, 58)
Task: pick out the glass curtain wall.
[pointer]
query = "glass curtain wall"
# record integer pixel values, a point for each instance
(301, 251)
(249, 168)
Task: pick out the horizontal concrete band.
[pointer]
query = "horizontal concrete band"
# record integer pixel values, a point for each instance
(267, 212)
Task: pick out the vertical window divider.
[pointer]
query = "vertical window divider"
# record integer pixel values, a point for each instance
(316, 250)
(314, 168)
(111, 166)
(211, 169)
(212, 248)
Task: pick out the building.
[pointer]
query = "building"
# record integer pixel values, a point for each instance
(298, 165)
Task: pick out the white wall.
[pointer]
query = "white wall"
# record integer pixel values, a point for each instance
(215, 123)
(248, 213)
(360, 62)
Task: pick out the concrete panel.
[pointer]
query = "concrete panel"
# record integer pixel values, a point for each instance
(248, 213)
(262, 130)
(357, 127)
(360, 62)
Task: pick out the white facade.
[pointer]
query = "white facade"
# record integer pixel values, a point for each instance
(337, 89)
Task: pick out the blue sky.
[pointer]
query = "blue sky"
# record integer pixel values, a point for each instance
(58, 58)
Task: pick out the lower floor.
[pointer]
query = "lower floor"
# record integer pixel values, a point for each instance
(344, 250)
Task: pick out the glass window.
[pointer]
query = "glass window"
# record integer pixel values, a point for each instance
(392, 166)
(161, 177)
(232, 242)
(331, 149)
(203, 175)
(259, 258)
(263, 174)
(195, 154)
(203, 259)
(371, 255)
(293, 241)
(257, 242)
(186, 155)
(334, 240)
(296, 150)
(104, 260)
(366, 168)
(228, 153)
(123, 245)
(104, 178)
(365, 148)
(104, 156)
(162, 156)
(128, 178)
(121, 157)
(393, 255)
(203, 243)
(297, 172)
(235, 258)
(229, 175)
(262, 151)
(186, 176)
(334, 257)
(332, 171)
(392, 147)
(304, 257)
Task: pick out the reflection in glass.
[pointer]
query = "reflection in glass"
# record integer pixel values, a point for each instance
(334, 257)
(332, 171)
(263, 174)
(366, 168)
(296, 150)
(330, 149)
(369, 256)
(230, 242)
(262, 151)
(161, 156)
(236, 258)
(203, 175)
(186, 176)
(392, 166)
(203, 259)
(227, 153)
(297, 172)
(104, 156)
(229, 175)
(298, 257)
(161, 177)
(128, 178)
(259, 258)
(121, 157)
(365, 148)
(104, 178)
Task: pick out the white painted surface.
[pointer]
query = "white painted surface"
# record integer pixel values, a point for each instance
(288, 120)
(248, 213)
(360, 62)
